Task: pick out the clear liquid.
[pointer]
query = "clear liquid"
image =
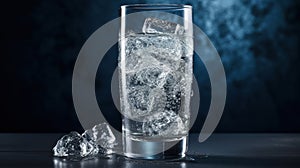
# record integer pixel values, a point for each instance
(155, 80)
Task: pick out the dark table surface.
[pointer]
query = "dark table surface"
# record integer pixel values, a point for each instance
(220, 150)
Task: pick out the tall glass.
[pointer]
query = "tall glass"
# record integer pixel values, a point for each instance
(155, 66)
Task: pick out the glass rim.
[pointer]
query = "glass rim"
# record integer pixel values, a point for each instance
(156, 6)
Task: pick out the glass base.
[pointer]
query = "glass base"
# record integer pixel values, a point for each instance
(154, 150)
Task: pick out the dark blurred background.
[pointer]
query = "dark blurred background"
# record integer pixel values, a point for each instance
(258, 42)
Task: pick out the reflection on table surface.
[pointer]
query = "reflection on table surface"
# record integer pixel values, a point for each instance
(220, 150)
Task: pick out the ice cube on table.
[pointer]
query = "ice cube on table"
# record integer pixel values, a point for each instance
(98, 140)
(163, 123)
(74, 147)
(102, 136)
(155, 25)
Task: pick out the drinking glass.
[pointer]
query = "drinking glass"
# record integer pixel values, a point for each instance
(155, 74)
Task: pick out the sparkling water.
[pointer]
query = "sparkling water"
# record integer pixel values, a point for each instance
(156, 77)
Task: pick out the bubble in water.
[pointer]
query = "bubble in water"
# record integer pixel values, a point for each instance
(145, 77)
(163, 123)
(173, 89)
(146, 101)
(163, 51)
